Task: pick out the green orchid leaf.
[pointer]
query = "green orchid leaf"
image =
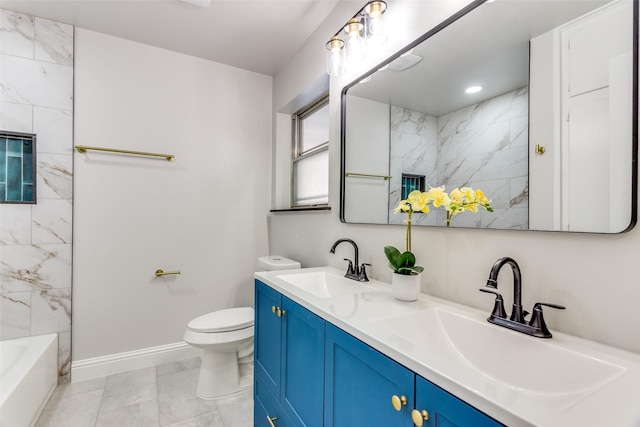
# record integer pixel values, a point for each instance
(406, 259)
(392, 255)
(410, 270)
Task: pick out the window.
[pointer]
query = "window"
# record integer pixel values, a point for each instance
(310, 156)
(411, 182)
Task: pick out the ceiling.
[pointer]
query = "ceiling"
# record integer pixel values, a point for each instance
(256, 35)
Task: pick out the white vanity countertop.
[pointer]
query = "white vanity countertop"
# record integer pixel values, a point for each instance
(376, 318)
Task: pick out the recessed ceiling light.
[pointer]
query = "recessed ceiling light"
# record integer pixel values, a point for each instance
(473, 89)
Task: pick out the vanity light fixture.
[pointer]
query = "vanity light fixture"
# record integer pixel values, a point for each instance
(335, 56)
(364, 30)
(473, 89)
(374, 27)
(355, 41)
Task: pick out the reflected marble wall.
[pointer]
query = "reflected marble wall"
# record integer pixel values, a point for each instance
(481, 146)
(36, 96)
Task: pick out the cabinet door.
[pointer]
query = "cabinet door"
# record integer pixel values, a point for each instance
(445, 410)
(360, 382)
(302, 365)
(267, 337)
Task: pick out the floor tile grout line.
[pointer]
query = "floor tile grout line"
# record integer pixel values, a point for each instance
(158, 398)
(95, 423)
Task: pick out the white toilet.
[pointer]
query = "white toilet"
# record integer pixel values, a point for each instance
(226, 336)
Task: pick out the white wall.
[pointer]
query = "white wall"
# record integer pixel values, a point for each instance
(203, 214)
(591, 274)
(368, 131)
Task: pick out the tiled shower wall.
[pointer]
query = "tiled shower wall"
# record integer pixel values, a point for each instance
(481, 146)
(36, 68)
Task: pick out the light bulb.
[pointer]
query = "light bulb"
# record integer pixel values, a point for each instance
(335, 56)
(375, 31)
(355, 42)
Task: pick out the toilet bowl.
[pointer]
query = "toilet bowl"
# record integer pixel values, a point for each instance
(226, 337)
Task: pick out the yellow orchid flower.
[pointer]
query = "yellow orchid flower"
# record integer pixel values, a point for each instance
(468, 193)
(440, 198)
(457, 196)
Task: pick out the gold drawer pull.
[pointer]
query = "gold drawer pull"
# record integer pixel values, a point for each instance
(419, 417)
(271, 420)
(398, 402)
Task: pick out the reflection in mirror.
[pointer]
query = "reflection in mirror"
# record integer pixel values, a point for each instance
(534, 102)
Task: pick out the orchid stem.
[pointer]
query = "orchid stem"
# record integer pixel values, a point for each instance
(409, 232)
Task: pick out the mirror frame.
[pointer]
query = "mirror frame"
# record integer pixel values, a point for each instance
(444, 24)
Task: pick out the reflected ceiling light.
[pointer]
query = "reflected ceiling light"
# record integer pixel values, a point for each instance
(404, 62)
(473, 89)
(364, 30)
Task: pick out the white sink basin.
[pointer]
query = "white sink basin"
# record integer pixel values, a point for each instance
(533, 365)
(325, 284)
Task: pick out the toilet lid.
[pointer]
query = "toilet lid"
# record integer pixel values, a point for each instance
(230, 319)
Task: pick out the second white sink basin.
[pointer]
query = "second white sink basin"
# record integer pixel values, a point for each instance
(533, 365)
(325, 284)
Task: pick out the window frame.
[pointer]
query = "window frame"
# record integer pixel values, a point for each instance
(297, 153)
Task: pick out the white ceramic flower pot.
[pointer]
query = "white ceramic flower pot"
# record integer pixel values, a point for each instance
(405, 287)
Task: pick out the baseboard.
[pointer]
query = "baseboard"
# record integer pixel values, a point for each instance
(102, 366)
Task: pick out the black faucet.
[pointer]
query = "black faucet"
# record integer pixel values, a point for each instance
(354, 270)
(517, 315)
(536, 327)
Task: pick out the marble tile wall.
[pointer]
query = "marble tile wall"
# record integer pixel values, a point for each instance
(481, 146)
(36, 96)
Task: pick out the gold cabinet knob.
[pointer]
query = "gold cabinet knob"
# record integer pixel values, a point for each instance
(419, 417)
(277, 311)
(271, 420)
(398, 402)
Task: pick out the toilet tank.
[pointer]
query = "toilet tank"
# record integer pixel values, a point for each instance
(276, 262)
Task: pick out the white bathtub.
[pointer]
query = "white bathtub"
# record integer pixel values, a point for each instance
(28, 376)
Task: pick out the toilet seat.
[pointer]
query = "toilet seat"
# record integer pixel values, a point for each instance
(231, 319)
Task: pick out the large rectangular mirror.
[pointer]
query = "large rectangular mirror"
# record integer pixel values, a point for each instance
(550, 136)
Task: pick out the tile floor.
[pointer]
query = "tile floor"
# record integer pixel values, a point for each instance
(164, 395)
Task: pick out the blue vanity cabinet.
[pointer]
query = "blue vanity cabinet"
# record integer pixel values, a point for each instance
(289, 361)
(266, 409)
(360, 382)
(446, 410)
(309, 373)
(267, 337)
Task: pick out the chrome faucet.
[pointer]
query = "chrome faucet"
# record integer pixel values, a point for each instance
(354, 270)
(536, 326)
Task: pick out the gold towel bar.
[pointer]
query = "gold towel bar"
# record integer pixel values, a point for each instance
(84, 148)
(366, 175)
(160, 272)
